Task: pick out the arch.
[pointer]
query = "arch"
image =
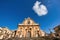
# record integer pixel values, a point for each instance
(28, 34)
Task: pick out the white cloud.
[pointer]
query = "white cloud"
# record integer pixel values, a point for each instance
(40, 9)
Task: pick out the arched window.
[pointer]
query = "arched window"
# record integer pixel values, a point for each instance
(28, 22)
(30, 28)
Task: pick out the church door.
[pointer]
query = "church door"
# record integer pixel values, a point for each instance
(28, 34)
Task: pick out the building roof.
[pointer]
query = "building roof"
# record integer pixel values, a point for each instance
(57, 26)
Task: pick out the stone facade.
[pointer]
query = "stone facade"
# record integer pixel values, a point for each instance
(5, 33)
(57, 31)
(29, 29)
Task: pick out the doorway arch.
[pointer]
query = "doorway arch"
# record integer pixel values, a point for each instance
(28, 34)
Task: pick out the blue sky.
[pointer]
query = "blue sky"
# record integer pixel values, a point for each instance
(13, 12)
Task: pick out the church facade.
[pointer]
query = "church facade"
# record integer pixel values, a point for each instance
(29, 28)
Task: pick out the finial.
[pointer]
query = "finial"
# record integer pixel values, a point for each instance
(28, 18)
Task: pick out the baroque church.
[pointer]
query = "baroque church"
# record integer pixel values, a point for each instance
(28, 28)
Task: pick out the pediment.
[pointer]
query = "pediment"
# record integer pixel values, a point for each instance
(29, 21)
